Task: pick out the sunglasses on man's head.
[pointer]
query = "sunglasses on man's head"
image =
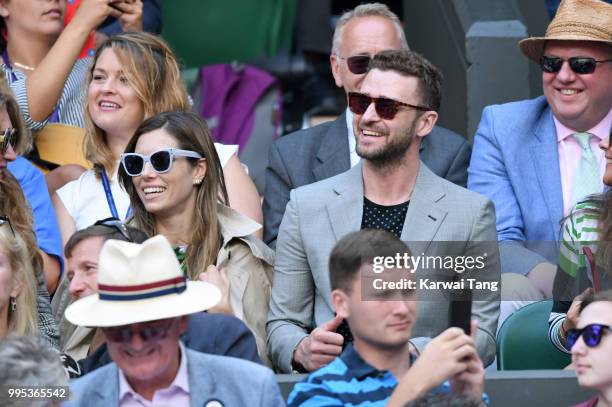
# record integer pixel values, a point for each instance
(9, 137)
(150, 332)
(591, 335)
(385, 108)
(580, 65)
(5, 220)
(161, 160)
(116, 224)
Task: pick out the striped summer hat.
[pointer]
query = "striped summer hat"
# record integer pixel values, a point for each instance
(140, 283)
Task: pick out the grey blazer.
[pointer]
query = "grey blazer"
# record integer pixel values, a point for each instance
(320, 214)
(233, 382)
(320, 152)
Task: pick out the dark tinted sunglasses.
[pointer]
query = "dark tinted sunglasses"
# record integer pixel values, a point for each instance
(385, 108)
(161, 160)
(116, 224)
(9, 137)
(591, 335)
(4, 219)
(580, 65)
(358, 64)
(124, 334)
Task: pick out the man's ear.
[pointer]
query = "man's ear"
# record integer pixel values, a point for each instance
(183, 322)
(340, 302)
(4, 13)
(334, 61)
(426, 123)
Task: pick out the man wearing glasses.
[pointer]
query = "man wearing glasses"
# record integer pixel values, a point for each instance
(389, 189)
(226, 335)
(535, 159)
(328, 149)
(142, 308)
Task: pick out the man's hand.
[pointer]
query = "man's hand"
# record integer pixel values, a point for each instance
(320, 347)
(574, 312)
(218, 278)
(542, 277)
(445, 357)
(470, 382)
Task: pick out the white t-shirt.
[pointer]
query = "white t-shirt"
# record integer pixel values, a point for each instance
(85, 200)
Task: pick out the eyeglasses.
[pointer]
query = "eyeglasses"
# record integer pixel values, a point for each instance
(591, 335)
(124, 334)
(8, 138)
(385, 108)
(580, 65)
(116, 224)
(161, 160)
(4, 219)
(357, 64)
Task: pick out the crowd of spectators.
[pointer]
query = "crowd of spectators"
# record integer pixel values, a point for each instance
(139, 265)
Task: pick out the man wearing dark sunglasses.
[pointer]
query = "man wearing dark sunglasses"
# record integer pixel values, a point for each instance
(143, 307)
(535, 159)
(591, 346)
(328, 149)
(389, 189)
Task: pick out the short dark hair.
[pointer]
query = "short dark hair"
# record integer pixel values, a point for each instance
(358, 248)
(105, 232)
(600, 296)
(445, 400)
(410, 63)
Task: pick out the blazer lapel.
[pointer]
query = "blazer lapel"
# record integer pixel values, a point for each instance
(201, 381)
(333, 156)
(107, 389)
(346, 209)
(545, 158)
(424, 215)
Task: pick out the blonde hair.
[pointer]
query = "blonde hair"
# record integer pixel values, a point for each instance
(191, 133)
(152, 71)
(24, 319)
(7, 100)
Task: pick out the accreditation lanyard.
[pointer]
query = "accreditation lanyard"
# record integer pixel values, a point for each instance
(109, 197)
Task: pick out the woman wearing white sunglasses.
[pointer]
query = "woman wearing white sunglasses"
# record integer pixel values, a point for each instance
(133, 76)
(173, 175)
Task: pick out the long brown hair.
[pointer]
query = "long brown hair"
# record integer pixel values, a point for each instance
(22, 251)
(151, 69)
(24, 137)
(191, 133)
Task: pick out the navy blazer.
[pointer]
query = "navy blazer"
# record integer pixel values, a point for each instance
(215, 334)
(322, 151)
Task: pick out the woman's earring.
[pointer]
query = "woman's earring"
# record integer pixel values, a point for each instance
(197, 181)
(13, 304)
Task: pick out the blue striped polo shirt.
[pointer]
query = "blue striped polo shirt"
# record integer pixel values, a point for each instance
(348, 381)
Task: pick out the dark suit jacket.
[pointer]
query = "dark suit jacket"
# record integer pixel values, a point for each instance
(320, 152)
(215, 334)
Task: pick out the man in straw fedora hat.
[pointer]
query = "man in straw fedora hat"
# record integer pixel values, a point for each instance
(536, 158)
(142, 305)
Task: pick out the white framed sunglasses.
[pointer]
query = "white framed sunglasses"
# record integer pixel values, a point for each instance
(160, 160)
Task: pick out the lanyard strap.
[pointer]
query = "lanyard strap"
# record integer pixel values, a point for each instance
(109, 197)
(54, 117)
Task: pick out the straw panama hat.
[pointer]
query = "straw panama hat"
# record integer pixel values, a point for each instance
(576, 20)
(140, 283)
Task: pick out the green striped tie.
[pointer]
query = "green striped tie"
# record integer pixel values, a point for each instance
(587, 179)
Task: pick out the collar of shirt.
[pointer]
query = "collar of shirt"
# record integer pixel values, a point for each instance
(351, 138)
(361, 369)
(179, 384)
(601, 130)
